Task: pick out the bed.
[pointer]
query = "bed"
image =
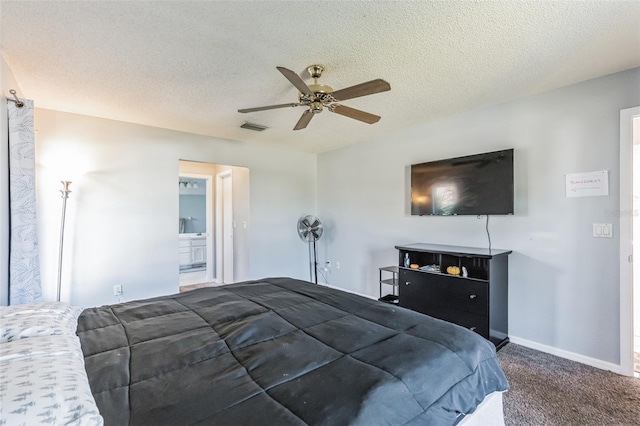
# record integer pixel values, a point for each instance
(42, 375)
(281, 351)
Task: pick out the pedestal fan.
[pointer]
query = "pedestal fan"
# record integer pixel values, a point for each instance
(310, 231)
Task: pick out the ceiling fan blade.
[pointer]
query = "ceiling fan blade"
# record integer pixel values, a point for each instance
(295, 80)
(268, 107)
(362, 89)
(355, 113)
(304, 120)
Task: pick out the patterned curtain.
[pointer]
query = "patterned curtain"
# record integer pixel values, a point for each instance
(24, 266)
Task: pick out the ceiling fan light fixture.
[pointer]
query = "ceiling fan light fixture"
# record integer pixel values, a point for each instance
(316, 107)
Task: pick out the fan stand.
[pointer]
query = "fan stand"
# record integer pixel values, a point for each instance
(313, 270)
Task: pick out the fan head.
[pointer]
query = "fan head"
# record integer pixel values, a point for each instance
(309, 228)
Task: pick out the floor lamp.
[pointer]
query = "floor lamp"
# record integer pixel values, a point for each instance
(65, 194)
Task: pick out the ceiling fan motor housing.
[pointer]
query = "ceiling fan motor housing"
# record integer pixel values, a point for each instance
(317, 89)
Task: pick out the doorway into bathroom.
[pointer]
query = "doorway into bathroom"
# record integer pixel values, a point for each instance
(194, 229)
(213, 238)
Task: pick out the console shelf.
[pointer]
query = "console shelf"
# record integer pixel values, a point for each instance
(478, 301)
(393, 282)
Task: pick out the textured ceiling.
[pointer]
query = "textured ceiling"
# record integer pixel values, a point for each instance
(190, 65)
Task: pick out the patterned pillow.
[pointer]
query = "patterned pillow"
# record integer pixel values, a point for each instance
(43, 381)
(37, 319)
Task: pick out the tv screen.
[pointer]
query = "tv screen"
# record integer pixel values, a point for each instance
(479, 184)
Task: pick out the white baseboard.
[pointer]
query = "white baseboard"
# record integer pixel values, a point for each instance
(348, 291)
(603, 365)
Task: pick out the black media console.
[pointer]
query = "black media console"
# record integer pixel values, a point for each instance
(478, 301)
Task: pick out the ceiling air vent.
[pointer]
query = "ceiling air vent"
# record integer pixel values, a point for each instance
(253, 126)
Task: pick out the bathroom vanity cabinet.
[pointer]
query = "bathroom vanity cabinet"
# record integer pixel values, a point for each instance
(192, 251)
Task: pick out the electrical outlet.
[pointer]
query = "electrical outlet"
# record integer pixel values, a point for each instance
(117, 290)
(337, 265)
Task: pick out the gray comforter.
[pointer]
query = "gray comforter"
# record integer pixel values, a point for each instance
(281, 351)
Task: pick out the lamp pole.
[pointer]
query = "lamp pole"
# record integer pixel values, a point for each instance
(65, 194)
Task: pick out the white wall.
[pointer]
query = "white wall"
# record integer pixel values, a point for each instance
(7, 82)
(123, 212)
(564, 284)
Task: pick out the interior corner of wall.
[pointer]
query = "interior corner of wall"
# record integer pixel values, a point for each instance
(7, 79)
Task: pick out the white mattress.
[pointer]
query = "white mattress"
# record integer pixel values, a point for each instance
(488, 413)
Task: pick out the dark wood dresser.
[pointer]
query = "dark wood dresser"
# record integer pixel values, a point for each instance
(478, 301)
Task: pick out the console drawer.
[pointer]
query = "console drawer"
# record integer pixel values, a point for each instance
(423, 292)
(464, 295)
(474, 322)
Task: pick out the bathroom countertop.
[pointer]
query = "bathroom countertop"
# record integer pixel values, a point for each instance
(193, 235)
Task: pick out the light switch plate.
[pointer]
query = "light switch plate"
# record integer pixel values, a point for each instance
(603, 230)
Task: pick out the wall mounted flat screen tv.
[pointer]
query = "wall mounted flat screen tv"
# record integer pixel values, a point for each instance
(479, 184)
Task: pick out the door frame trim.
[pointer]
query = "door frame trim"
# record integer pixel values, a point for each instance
(219, 224)
(626, 239)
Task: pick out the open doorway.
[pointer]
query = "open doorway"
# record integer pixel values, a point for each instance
(222, 241)
(195, 228)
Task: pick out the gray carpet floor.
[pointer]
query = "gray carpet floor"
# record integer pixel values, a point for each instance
(548, 390)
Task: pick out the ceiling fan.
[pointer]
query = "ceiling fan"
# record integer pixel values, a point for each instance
(319, 96)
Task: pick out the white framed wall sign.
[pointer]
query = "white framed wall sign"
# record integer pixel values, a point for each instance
(589, 184)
